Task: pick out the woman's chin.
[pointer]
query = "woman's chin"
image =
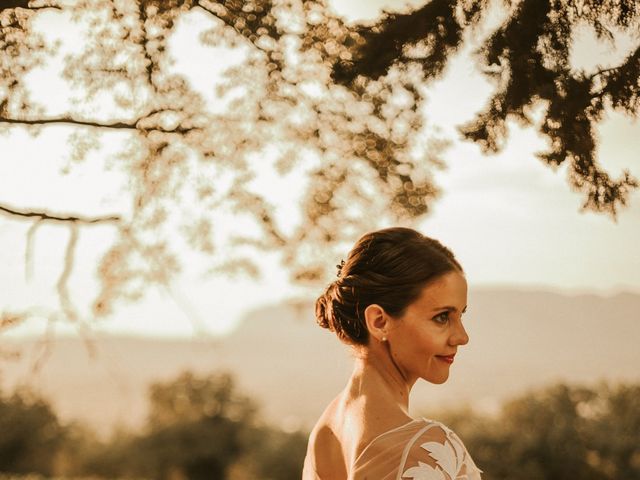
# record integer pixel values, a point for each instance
(437, 380)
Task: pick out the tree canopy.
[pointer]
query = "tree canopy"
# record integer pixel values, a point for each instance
(528, 55)
(336, 108)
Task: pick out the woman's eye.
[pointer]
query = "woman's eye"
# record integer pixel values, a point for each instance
(441, 317)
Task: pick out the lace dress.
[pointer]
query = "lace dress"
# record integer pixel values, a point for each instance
(419, 450)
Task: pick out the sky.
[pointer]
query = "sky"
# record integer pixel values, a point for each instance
(512, 221)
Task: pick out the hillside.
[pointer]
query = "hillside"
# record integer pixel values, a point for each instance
(519, 340)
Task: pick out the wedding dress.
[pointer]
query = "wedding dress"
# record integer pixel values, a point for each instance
(419, 450)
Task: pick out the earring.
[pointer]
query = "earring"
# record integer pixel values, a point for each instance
(384, 339)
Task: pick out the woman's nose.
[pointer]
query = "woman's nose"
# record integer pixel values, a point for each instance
(460, 336)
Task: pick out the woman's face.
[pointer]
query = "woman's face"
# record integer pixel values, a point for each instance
(425, 339)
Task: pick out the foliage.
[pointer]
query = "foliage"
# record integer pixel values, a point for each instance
(188, 165)
(201, 428)
(274, 455)
(32, 436)
(337, 109)
(191, 398)
(557, 433)
(529, 57)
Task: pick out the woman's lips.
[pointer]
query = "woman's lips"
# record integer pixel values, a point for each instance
(446, 358)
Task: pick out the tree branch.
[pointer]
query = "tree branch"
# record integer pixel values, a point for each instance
(62, 287)
(603, 71)
(384, 42)
(229, 18)
(145, 45)
(70, 220)
(67, 307)
(43, 215)
(86, 123)
(28, 251)
(7, 4)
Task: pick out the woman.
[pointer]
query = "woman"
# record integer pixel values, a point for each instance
(398, 301)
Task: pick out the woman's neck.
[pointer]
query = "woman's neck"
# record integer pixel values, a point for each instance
(375, 374)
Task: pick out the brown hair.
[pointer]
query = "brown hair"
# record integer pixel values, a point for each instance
(387, 267)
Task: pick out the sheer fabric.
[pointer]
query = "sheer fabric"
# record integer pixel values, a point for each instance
(419, 450)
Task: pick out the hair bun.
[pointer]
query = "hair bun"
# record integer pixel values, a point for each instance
(324, 309)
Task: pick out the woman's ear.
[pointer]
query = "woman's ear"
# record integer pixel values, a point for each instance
(377, 322)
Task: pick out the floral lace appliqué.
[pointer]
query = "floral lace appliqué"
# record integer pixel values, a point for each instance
(424, 472)
(448, 456)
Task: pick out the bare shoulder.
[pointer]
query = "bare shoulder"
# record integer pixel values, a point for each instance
(325, 453)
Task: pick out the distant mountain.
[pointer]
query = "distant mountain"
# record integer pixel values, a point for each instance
(519, 340)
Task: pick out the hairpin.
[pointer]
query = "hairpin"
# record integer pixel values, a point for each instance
(339, 267)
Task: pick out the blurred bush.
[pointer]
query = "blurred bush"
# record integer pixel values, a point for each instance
(31, 437)
(201, 428)
(558, 433)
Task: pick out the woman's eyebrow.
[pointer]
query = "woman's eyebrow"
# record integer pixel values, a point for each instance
(449, 308)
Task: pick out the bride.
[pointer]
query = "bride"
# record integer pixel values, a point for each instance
(398, 301)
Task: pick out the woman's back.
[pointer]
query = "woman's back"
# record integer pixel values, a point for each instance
(325, 458)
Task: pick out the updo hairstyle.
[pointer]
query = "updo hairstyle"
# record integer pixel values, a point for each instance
(387, 267)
